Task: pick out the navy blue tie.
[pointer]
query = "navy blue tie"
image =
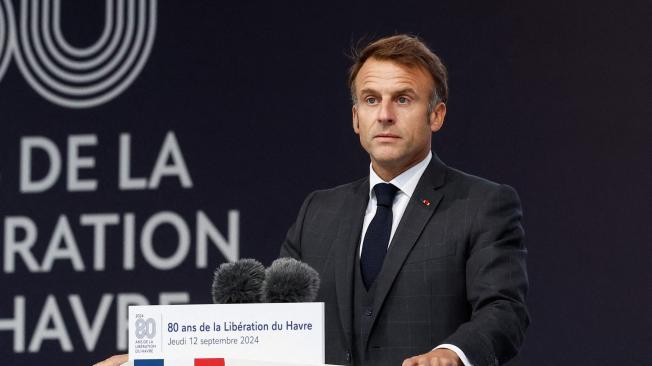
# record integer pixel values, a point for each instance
(376, 239)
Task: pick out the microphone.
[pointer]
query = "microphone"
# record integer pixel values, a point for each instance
(238, 282)
(289, 280)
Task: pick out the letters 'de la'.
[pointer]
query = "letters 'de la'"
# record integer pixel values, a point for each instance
(170, 163)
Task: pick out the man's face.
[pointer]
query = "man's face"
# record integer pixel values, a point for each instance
(391, 115)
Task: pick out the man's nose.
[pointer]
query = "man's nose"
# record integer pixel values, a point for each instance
(386, 112)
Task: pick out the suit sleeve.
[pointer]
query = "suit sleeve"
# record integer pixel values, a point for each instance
(291, 246)
(496, 282)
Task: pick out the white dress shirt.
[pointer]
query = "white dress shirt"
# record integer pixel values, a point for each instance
(406, 183)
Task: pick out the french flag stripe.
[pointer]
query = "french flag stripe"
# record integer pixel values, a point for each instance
(152, 362)
(209, 362)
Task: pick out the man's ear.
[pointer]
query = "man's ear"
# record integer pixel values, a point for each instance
(354, 119)
(437, 116)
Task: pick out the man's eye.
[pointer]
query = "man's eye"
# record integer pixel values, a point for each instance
(403, 100)
(371, 100)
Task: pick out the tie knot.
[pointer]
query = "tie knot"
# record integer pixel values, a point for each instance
(385, 193)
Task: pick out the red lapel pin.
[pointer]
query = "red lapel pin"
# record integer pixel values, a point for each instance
(426, 202)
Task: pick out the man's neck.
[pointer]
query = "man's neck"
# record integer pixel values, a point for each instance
(387, 173)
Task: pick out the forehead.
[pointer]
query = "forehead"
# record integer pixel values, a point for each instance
(389, 75)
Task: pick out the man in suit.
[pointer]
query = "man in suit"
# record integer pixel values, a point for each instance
(419, 263)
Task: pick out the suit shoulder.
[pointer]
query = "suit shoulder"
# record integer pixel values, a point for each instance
(475, 185)
(341, 190)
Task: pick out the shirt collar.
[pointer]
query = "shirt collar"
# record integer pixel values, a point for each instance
(406, 182)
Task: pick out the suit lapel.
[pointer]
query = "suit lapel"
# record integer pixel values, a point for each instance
(419, 211)
(346, 242)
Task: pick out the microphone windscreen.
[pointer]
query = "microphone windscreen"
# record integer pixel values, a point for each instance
(238, 282)
(289, 280)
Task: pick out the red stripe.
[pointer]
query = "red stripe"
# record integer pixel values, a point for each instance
(209, 362)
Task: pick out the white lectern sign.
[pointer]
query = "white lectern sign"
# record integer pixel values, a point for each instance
(290, 332)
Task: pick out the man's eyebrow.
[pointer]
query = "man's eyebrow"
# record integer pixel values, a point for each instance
(409, 91)
(368, 91)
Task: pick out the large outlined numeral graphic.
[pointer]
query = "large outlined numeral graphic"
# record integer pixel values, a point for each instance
(70, 76)
(6, 33)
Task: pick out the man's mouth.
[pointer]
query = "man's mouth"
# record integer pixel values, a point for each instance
(386, 136)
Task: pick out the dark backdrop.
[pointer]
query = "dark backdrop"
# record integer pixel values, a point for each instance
(551, 98)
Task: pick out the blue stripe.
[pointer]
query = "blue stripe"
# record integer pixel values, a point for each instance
(148, 362)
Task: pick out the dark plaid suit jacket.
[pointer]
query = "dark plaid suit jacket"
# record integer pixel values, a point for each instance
(454, 273)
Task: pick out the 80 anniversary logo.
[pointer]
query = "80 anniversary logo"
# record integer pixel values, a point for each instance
(75, 77)
(145, 328)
